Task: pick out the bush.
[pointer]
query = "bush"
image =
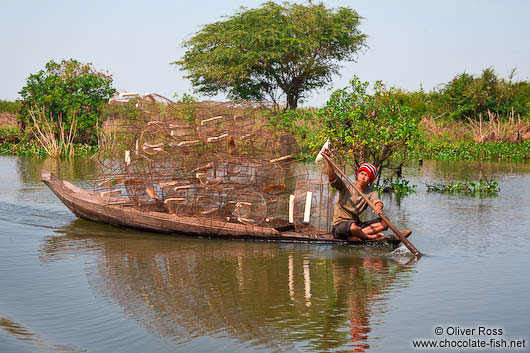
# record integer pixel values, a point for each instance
(365, 127)
(67, 89)
(9, 107)
(469, 97)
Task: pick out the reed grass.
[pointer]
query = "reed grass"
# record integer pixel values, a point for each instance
(495, 128)
(490, 128)
(53, 136)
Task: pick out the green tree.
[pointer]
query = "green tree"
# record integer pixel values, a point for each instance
(364, 127)
(275, 51)
(67, 89)
(467, 96)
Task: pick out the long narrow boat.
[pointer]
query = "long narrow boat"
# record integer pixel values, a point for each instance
(120, 211)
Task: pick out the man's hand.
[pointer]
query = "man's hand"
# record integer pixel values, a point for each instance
(378, 210)
(326, 152)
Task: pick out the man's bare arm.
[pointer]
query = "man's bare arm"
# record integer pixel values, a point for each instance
(329, 168)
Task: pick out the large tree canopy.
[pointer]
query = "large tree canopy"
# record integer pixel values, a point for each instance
(275, 52)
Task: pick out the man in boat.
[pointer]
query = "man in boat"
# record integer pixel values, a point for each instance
(346, 222)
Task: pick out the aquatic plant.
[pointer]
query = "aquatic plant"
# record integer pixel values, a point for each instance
(56, 139)
(14, 142)
(466, 186)
(398, 186)
(499, 151)
(9, 133)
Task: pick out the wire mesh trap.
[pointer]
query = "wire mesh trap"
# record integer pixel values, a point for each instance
(217, 162)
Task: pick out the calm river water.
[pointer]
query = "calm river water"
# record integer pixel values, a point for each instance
(70, 285)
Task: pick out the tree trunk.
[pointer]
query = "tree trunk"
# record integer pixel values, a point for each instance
(292, 101)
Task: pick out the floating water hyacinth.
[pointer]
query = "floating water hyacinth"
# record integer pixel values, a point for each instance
(470, 187)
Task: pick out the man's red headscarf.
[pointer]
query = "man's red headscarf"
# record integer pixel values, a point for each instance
(370, 169)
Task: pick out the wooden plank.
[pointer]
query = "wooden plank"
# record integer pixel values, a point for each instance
(307, 210)
(216, 138)
(291, 208)
(182, 187)
(280, 159)
(188, 143)
(110, 193)
(174, 199)
(169, 183)
(211, 119)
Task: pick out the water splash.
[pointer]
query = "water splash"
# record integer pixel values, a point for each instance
(401, 250)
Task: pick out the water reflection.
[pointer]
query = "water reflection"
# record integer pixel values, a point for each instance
(273, 296)
(109, 289)
(437, 171)
(75, 169)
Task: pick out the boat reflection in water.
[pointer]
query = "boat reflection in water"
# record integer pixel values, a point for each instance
(265, 295)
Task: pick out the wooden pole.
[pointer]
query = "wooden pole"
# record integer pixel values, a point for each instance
(398, 234)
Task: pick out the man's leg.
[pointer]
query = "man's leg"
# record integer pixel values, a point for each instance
(359, 234)
(375, 228)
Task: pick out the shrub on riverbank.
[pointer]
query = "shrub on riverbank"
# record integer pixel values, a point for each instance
(366, 127)
(9, 134)
(469, 118)
(473, 118)
(494, 129)
(9, 107)
(64, 90)
(468, 96)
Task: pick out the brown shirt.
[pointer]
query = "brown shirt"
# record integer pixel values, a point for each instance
(350, 204)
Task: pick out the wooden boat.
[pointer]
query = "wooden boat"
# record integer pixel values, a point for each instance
(120, 211)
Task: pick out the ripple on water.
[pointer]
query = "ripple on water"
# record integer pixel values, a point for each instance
(33, 215)
(72, 285)
(22, 334)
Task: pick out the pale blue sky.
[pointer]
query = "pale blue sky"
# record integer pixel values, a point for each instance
(410, 42)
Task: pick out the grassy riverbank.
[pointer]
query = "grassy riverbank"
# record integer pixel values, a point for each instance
(15, 143)
(445, 139)
(452, 141)
(494, 137)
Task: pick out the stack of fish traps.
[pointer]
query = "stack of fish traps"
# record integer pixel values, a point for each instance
(216, 161)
